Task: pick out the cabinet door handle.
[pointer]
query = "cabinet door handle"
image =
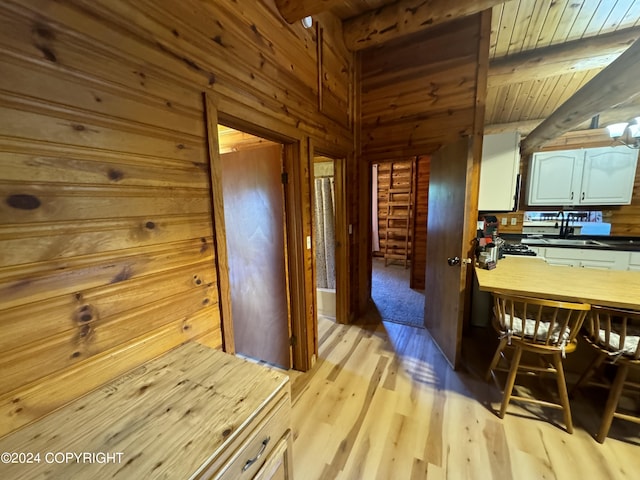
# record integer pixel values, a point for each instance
(253, 460)
(571, 195)
(582, 195)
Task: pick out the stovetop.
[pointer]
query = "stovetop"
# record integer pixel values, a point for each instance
(517, 249)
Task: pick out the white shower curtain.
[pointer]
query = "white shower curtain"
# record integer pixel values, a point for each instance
(325, 233)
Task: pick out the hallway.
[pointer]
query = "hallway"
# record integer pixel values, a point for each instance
(393, 298)
(381, 402)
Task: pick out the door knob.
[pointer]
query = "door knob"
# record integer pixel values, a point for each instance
(453, 261)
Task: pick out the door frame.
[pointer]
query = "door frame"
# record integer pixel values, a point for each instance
(298, 221)
(341, 232)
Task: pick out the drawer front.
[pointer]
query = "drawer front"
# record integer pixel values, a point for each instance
(251, 455)
(279, 465)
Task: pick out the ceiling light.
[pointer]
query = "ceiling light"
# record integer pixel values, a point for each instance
(307, 22)
(617, 129)
(629, 137)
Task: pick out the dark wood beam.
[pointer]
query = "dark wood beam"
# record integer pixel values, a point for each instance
(574, 56)
(405, 17)
(294, 10)
(617, 84)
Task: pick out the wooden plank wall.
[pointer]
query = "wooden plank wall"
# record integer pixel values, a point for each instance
(106, 240)
(401, 178)
(624, 219)
(418, 92)
(420, 217)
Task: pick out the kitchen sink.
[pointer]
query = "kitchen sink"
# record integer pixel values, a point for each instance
(575, 242)
(571, 242)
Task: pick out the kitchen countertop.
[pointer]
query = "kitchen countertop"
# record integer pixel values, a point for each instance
(599, 242)
(530, 276)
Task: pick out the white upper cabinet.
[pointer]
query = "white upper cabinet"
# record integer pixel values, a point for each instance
(499, 170)
(608, 176)
(591, 176)
(554, 177)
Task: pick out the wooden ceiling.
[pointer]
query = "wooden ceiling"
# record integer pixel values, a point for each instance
(541, 51)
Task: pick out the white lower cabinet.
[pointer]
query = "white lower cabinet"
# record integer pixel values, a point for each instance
(588, 258)
(634, 261)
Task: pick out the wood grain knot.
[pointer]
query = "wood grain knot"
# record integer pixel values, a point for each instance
(47, 53)
(23, 201)
(78, 128)
(150, 225)
(85, 314)
(227, 432)
(125, 274)
(115, 175)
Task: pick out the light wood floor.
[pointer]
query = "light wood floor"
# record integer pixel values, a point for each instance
(381, 403)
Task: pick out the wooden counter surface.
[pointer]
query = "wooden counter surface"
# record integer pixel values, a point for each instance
(534, 277)
(166, 419)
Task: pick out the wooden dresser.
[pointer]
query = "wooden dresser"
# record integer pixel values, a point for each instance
(194, 412)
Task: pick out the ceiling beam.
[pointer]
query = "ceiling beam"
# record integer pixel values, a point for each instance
(294, 10)
(404, 17)
(574, 56)
(617, 84)
(525, 127)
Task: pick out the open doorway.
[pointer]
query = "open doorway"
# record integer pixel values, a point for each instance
(255, 230)
(324, 225)
(399, 231)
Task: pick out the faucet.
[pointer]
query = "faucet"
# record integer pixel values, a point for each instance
(560, 216)
(565, 229)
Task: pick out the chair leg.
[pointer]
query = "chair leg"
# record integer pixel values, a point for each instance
(588, 373)
(496, 358)
(612, 402)
(511, 380)
(562, 392)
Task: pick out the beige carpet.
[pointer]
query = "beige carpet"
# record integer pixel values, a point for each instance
(393, 298)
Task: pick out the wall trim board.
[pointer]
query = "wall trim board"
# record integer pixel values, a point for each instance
(220, 236)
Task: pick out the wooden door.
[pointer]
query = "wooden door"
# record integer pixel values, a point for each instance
(446, 272)
(254, 219)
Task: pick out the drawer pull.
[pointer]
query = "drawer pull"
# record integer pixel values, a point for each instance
(255, 459)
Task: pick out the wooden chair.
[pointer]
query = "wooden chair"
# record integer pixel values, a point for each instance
(543, 327)
(615, 335)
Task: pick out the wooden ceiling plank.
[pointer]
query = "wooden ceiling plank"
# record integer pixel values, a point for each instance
(294, 10)
(583, 54)
(404, 17)
(614, 85)
(569, 14)
(496, 16)
(507, 22)
(632, 17)
(521, 27)
(551, 22)
(536, 25)
(618, 14)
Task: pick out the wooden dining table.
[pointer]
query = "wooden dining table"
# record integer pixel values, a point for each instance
(533, 277)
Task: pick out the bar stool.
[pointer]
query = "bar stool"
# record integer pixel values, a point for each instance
(546, 328)
(615, 335)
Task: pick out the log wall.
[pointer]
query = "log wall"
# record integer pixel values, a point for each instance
(107, 256)
(419, 92)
